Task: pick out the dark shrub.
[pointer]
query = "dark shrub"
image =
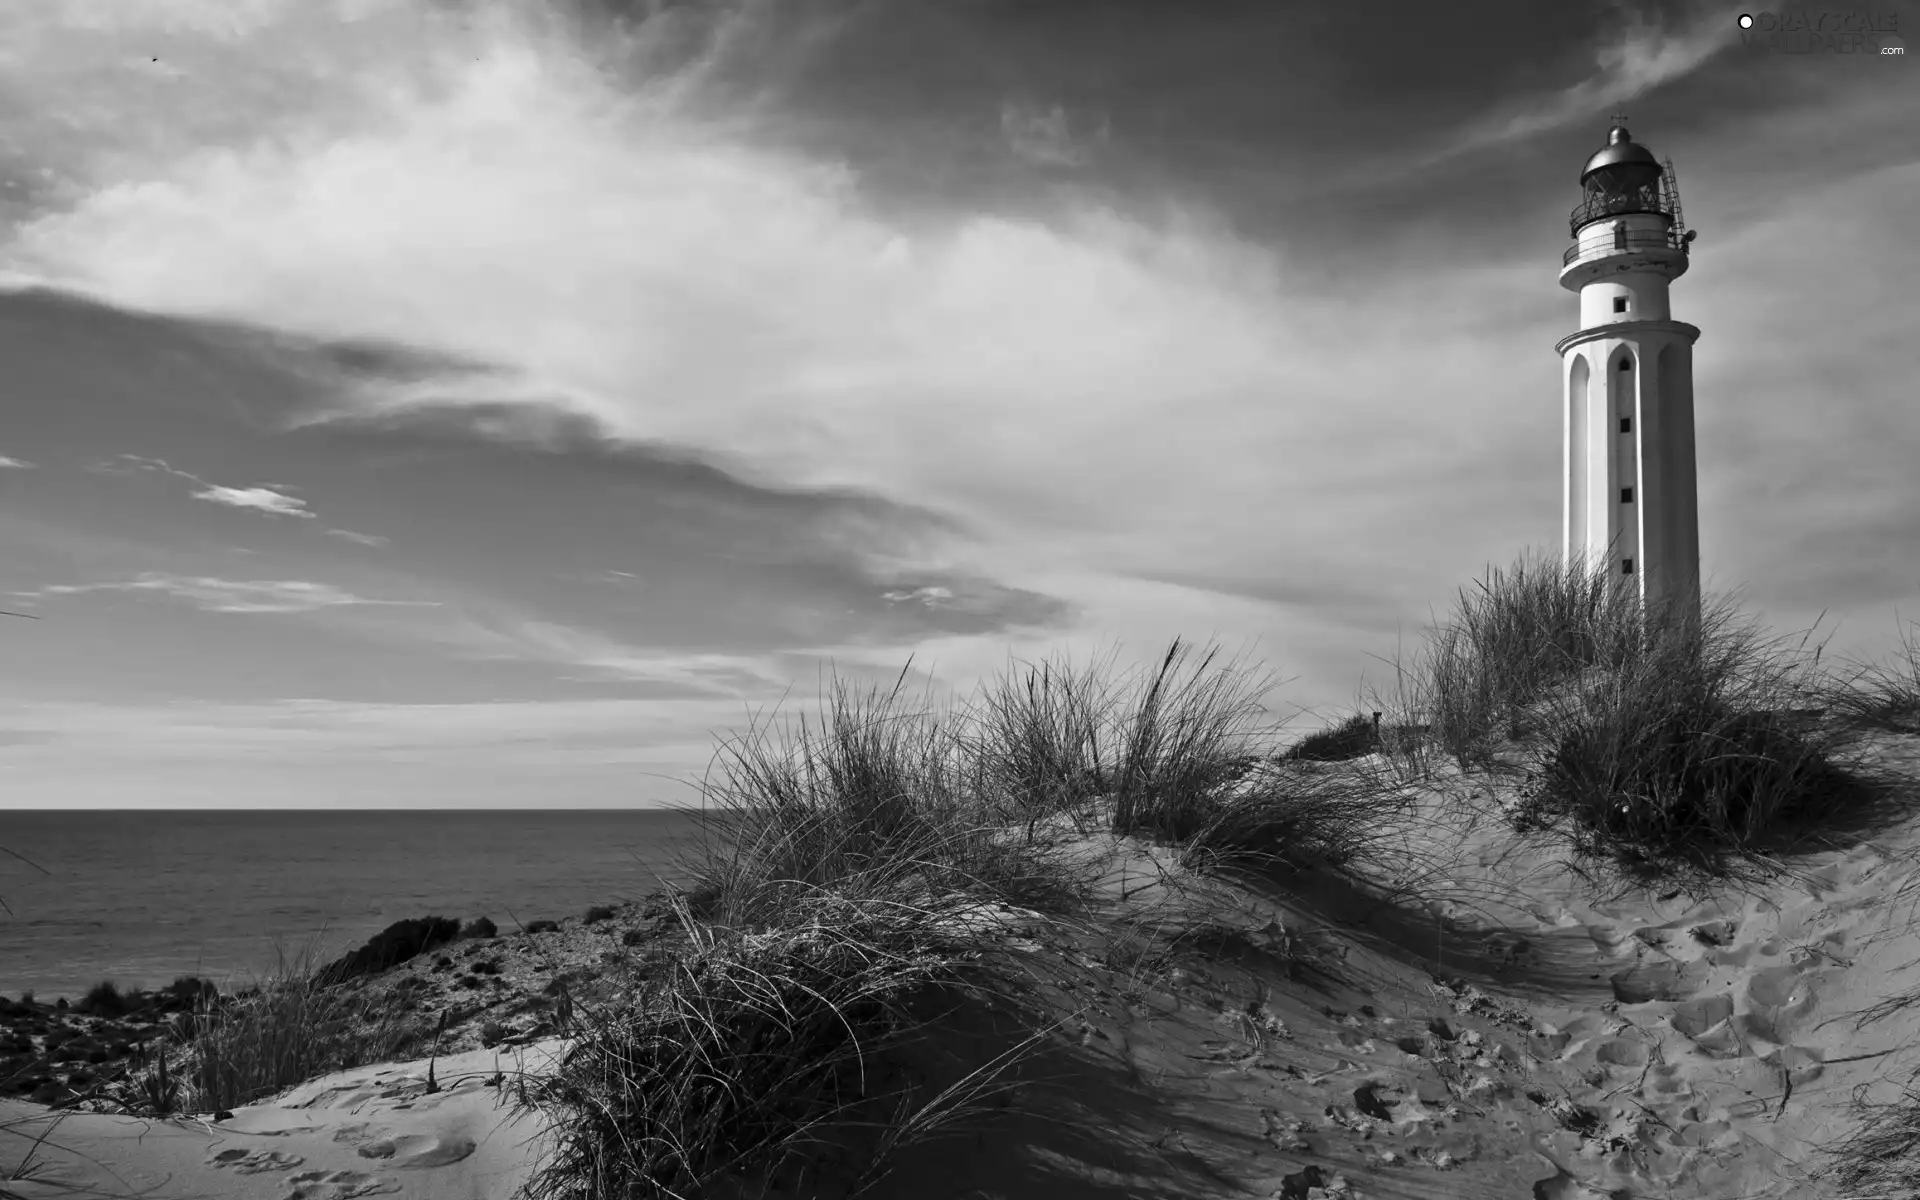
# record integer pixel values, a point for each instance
(479, 927)
(185, 992)
(1356, 737)
(543, 926)
(598, 913)
(103, 999)
(1685, 783)
(390, 947)
(1698, 751)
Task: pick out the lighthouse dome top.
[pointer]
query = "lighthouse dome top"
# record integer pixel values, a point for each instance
(1622, 165)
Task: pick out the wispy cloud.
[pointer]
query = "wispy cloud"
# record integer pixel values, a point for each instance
(364, 539)
(597, 656)
(260, 498)
(14, 463)
(235, 596)
(932, 597)
(1642, 55)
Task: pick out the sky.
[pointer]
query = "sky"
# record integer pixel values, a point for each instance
(490, 404)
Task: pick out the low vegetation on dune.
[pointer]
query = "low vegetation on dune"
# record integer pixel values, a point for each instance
(857, 870)
(1884, 695)
(1668, 741)
(1353, 738)
(290, 1026)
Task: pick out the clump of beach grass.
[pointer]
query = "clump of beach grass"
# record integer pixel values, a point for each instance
(1884, 695)
(1514, 636)
(1664, 738)
(1353, 738)
(850, 875)
(284, 1029)
(1183, 754)
(855, 875)
(758, 1052)
(879, 792)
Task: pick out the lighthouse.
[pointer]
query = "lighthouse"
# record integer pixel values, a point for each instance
(1631, 498)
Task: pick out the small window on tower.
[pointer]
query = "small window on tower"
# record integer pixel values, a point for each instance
(1626, 495)
(1626, 566)
(1619, 304)
(1626, 364)
(1626, 424)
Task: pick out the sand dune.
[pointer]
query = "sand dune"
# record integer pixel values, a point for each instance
(373, 1131)
(1514, 1032)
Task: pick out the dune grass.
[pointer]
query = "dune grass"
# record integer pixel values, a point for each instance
(849, 872)
(1513, 636)
(284, 1029)
(857, 871)
(1666, 740)
(1885, 695)
(1355, 737)
(1880, 1158)
(757, 1051)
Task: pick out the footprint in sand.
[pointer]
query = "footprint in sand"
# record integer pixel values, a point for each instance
(1658, 980)
(1692, 1018)
(253, 1162)
(1621, 1053)
(338, 1185)
(418, 1150)
(1782, 997)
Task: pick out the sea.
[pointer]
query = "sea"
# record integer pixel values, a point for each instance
(141, 898)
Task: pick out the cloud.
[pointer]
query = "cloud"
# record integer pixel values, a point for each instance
(1046, 137)
(237, 596)
(103, 750)
(1096, 393)
(514, 637)
(364, 539)
(1642, 55)
(1089, 392)
(14, 463)
(259, 498)
(932, 597)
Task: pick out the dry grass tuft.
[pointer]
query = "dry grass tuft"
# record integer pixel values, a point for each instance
(284, 1029)
(1884, 696)
(1880, 1160)
(1669, 741)
(756, 1052)
(858, 867)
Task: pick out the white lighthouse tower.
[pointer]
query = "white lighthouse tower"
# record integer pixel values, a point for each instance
(1629, 479)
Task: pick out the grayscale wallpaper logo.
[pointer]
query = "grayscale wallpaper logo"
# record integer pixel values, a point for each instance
(1824, 31)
